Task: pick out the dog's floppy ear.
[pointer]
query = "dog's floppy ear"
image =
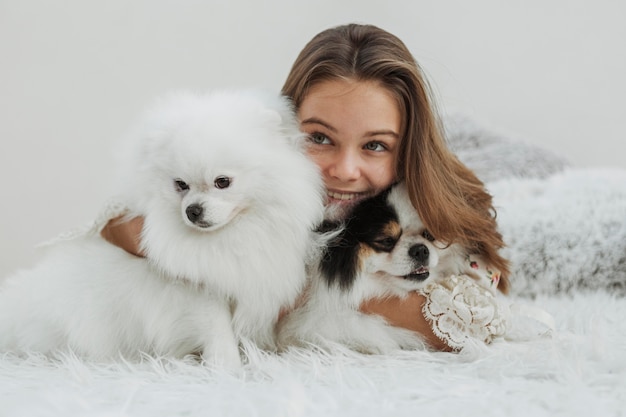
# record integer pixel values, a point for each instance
(339, 266)
(339, 262)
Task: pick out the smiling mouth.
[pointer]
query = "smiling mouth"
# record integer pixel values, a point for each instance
(342, 196)
(347, 197)
(420, 274)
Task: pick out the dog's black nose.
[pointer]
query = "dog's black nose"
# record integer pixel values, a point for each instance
(419, 253)
(194, 212)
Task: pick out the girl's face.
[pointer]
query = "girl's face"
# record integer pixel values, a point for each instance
(354, 131)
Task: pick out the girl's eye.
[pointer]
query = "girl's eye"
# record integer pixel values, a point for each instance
(319, 139)
(426, 235)
(375, 146)
(181, 185)
(222, 182)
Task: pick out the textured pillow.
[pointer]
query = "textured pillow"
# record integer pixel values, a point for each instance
(565, 228)
(492, 155)
(566, 232)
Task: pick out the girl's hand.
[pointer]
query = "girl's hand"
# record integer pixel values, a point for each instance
(125, 235)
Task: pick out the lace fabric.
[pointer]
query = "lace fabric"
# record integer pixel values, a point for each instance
(465, 306)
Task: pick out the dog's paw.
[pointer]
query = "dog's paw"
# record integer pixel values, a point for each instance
(371, 347)
(225, 358)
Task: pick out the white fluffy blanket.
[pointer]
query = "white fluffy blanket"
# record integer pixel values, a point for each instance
(579, 371)
(566, 230)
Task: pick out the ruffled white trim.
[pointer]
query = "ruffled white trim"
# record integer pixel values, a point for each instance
(460, 309)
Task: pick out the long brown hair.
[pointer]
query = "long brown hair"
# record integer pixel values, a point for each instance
(451, 201)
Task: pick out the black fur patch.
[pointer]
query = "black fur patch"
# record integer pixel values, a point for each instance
(340, 263)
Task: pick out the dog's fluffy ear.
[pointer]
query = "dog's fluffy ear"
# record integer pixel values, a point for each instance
(272, 116)
(278, 112)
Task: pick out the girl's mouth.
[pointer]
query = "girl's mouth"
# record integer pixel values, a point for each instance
(352, 197)
(339, 204)
(342, 196)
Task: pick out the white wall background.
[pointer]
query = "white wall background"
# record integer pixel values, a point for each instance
(75, 73)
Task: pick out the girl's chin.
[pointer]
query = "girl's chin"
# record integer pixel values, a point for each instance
(336, 211)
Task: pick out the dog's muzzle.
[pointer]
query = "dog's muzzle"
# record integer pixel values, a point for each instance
(195, 214)
(420, 254)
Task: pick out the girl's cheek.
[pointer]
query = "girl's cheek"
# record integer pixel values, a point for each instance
(318, 158)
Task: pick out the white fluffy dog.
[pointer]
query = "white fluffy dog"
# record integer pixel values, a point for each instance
(229, 201)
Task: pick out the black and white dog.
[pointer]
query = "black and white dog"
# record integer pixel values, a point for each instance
(382, 250)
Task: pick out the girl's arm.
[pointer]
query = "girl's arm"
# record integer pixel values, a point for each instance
(406, 313)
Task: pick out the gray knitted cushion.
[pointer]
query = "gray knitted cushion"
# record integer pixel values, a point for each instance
(565, 227)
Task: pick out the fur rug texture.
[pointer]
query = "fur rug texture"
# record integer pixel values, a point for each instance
(566, 234)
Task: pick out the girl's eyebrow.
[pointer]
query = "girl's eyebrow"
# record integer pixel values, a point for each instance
(383, 132)
(315, 120)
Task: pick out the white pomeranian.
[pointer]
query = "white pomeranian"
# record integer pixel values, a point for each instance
(230, 202)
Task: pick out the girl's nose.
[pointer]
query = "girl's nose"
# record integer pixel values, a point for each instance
(345, 167)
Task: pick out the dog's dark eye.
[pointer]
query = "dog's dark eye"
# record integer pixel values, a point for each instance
(426, 235)
(181, 185)
(222, 182)
(386, 244)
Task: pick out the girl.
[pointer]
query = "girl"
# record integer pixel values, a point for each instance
(367, 108)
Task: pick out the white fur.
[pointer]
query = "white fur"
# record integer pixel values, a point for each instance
(204, 285)
(330, 315)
